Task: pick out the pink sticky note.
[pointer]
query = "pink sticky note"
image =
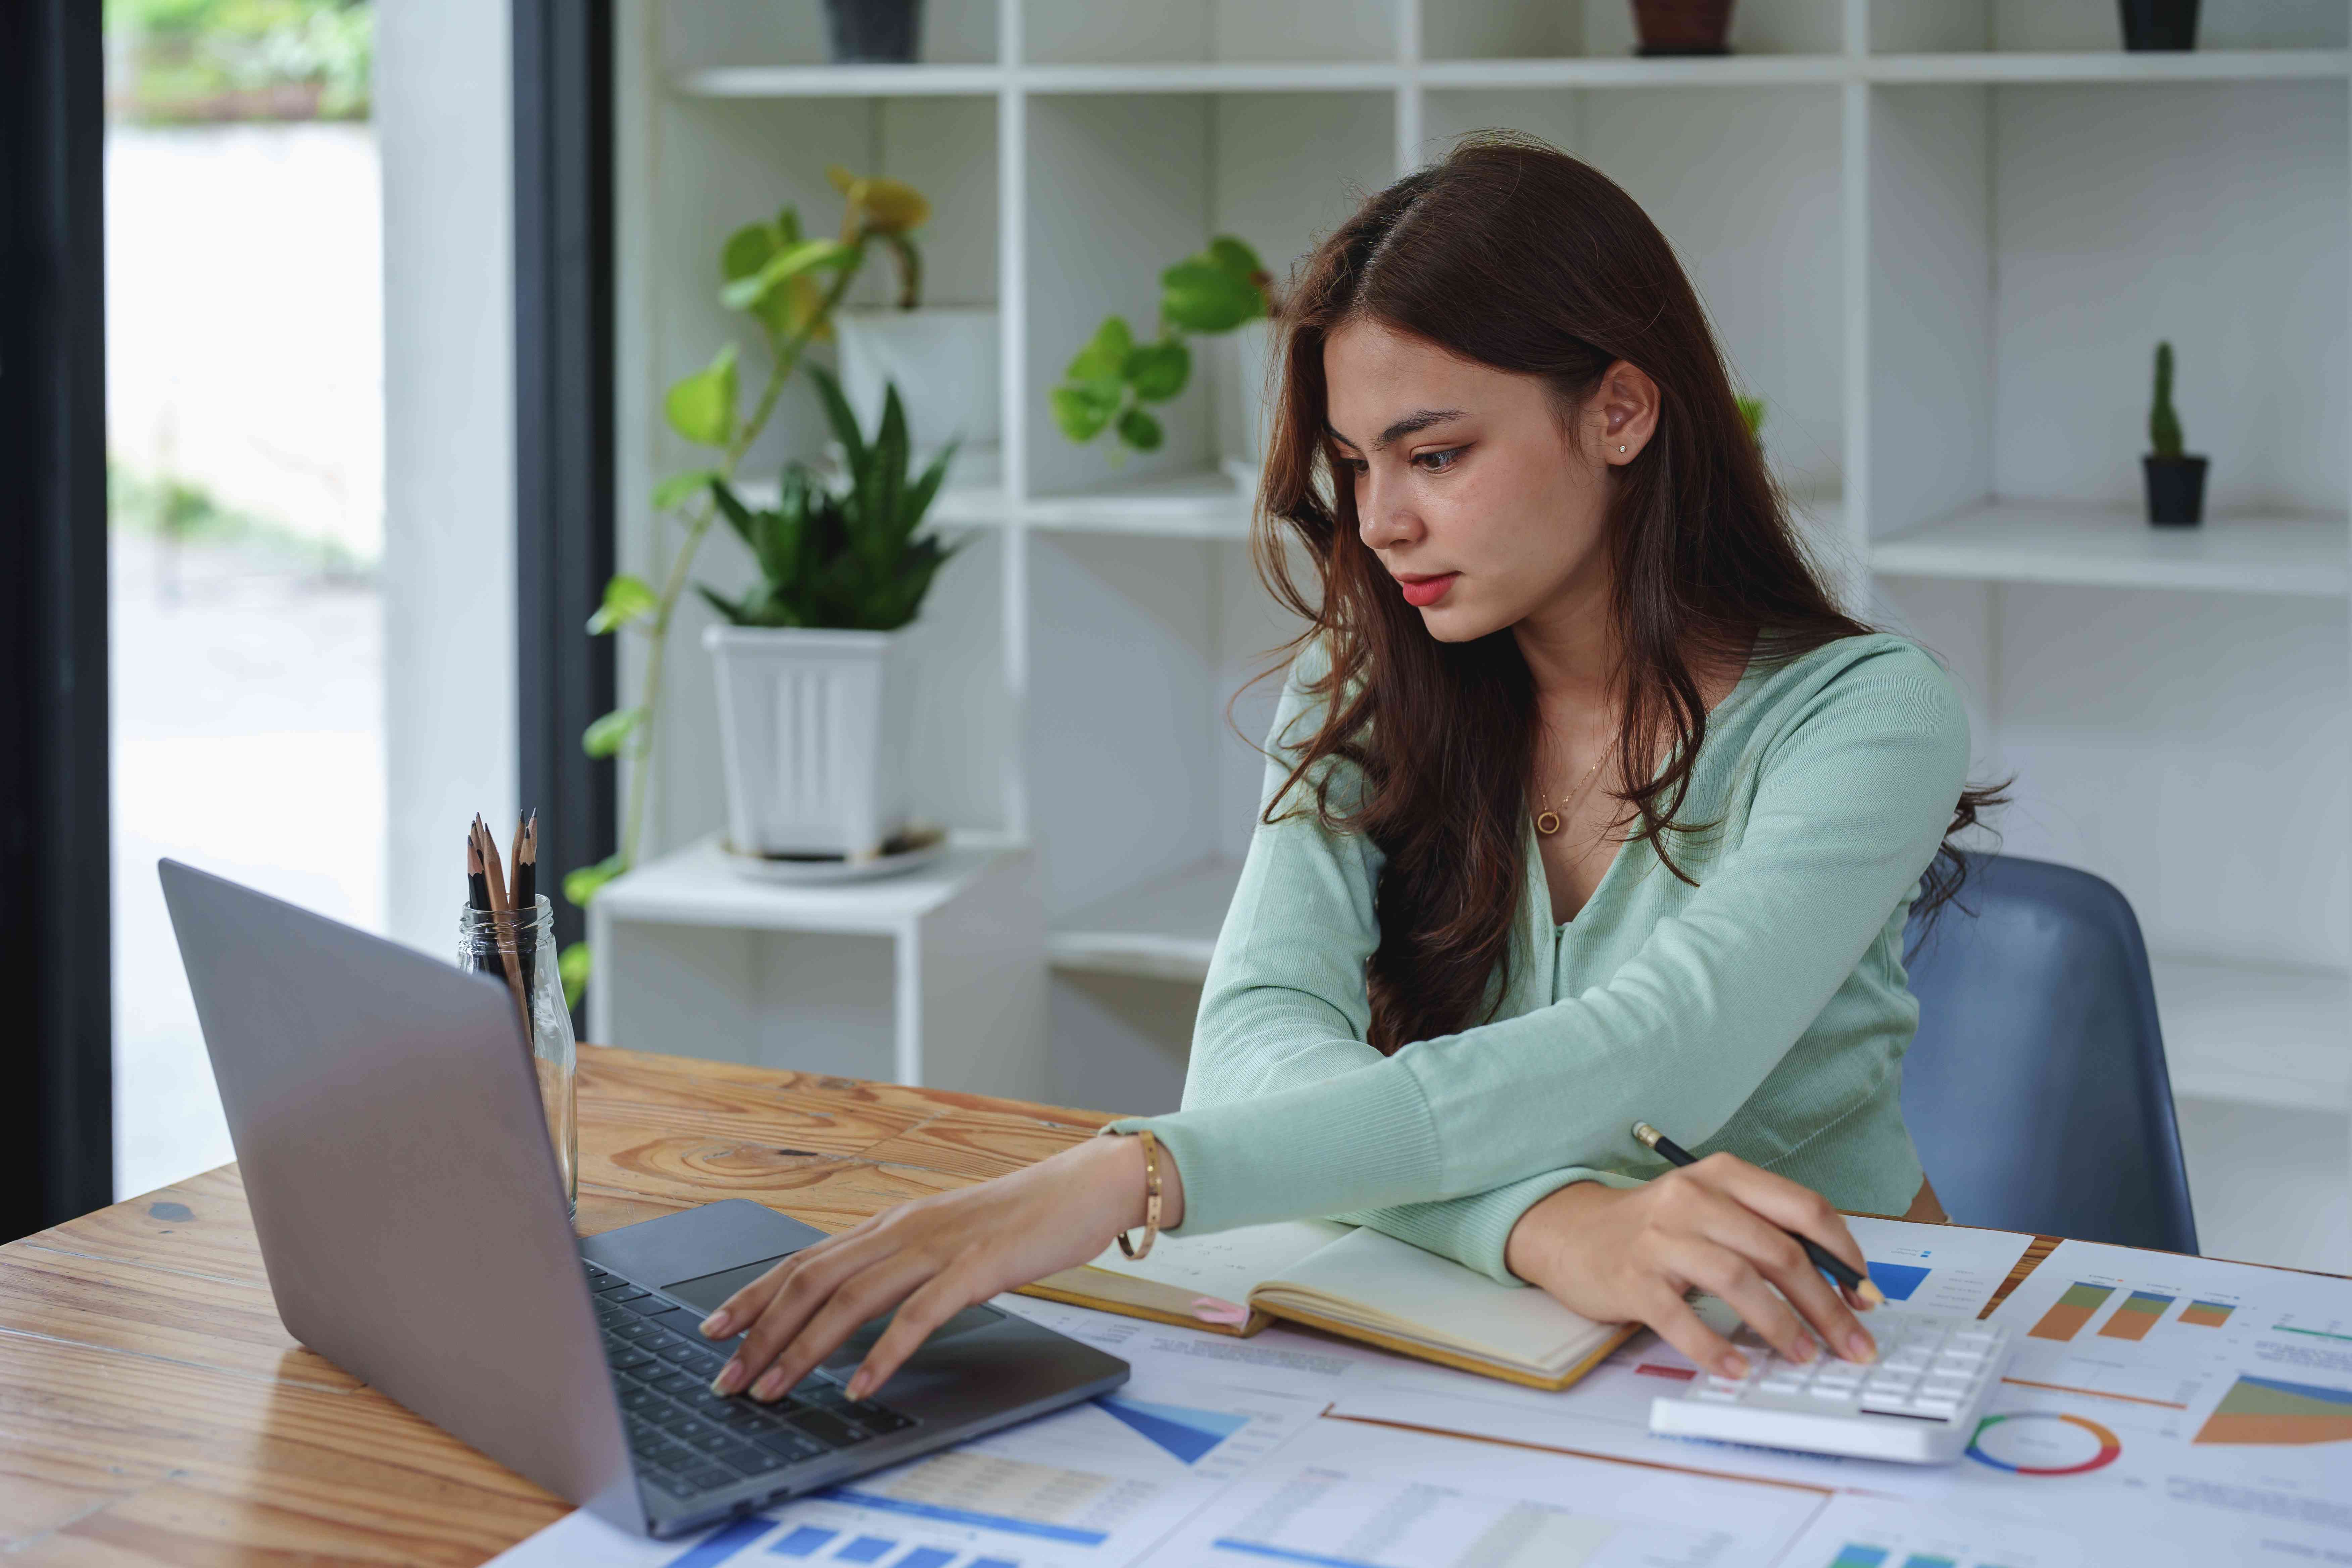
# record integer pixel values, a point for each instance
(1216, 1309)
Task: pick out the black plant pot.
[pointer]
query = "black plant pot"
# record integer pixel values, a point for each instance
(875, 32)
(2160, 24)
(2176, 489)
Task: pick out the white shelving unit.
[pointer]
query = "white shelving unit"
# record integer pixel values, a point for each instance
(1940, 238)
(926, 978)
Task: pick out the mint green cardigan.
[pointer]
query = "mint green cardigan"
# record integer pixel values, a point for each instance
(1764, 1012)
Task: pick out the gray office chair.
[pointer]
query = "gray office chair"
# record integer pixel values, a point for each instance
(2036, 1089)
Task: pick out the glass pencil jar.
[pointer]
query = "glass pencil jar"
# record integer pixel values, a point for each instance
(518, 949)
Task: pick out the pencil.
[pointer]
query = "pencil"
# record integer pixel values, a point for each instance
(524, 884)
(502, 921)
(478, 887)
(477, 891)
(1828, 1262)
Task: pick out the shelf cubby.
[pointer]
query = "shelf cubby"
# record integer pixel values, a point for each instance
(2091, 29)
(1938, 237)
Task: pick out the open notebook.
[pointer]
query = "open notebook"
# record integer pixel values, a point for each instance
(1355, 1282)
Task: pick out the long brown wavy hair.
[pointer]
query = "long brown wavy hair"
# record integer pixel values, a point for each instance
(1513, 253)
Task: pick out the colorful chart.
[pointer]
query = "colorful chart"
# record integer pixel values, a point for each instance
(2206, 1314)
(2269, 1410)
(2138, 1314)
(2066, 1318)
(2043, 1442)
(1898, 1280)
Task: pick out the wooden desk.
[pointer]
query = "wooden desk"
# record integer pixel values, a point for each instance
(154, 1411)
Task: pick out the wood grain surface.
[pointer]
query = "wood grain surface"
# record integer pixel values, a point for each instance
(153, 1410)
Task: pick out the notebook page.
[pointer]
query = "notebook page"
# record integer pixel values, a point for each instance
(1443, 1300)
(1226, 1264)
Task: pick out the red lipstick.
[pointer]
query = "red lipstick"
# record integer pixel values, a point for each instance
(1422, 592)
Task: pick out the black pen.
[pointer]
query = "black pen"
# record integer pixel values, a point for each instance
(1828, 1262)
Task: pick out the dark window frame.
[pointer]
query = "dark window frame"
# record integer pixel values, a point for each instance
(564, 427)
(57, 1115)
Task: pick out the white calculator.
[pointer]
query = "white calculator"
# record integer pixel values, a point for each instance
(1918, 1401)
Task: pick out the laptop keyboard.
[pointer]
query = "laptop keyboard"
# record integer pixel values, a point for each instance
(688, 1440)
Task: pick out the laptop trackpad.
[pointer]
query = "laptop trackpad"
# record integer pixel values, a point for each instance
(706, 1292)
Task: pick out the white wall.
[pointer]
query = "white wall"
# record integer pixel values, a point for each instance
(442, 111)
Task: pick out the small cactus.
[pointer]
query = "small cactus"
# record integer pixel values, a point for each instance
(2163, 423)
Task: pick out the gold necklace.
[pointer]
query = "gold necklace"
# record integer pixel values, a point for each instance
(1548, 821)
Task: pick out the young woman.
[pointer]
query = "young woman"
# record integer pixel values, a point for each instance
(1585, 805)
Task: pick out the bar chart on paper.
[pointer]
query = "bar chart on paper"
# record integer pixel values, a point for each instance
(1347, 1494)
(1854, 1532)
(1097, 1483)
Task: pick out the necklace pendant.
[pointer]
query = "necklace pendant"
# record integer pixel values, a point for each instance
(1547, 822)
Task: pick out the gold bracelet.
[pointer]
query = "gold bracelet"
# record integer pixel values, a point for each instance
(1150, 1194)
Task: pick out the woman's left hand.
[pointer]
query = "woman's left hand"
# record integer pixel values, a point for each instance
(930, 1259)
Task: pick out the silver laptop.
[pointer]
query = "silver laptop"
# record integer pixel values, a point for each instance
(388, 1127)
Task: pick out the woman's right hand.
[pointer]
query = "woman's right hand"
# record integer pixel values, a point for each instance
(1627, 1255)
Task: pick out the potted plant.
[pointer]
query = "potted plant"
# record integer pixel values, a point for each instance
(1682, 26)
(874, 32)
(943, 359)
(2158, 23)
(2175, 482)
(813, 687)
(787, 287)
(1108, 380)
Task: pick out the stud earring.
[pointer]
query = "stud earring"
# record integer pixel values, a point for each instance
(1621, 448)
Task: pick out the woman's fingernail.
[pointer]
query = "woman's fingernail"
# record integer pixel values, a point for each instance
(858, 1385)
(1804, 1352)
(1733, 1364)
(715, 1326)
(729, 1378)
(770, 1385)
(1859, 1348)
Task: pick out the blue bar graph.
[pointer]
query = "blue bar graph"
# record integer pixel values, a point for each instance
(802, 1541)
(994, 1563)
(866, 1549)
(925, 1557)
(1860, 1556)
(722, 1543)
(1927, 1559)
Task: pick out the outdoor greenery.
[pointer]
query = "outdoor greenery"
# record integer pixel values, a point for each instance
(788, 285)
(1109, 380)
(847, 562)
(2163, 425)
(182, 512)
(201, 60)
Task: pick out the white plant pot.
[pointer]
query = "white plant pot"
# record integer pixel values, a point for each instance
(1245, 419)
(814, 729)
(945, 362)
